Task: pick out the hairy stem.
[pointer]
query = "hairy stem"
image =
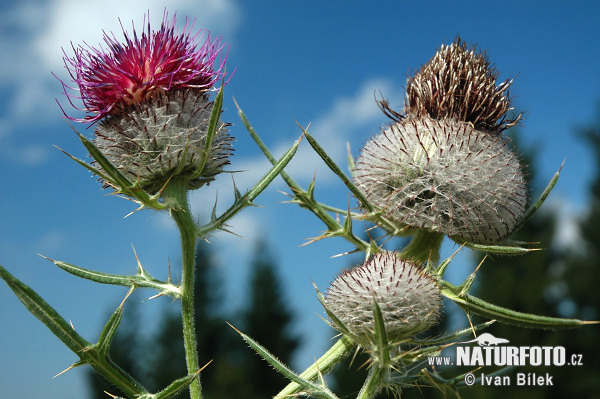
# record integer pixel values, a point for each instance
(373, 383)
(175, 196)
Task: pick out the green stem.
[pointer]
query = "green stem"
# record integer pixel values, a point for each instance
(373, 383)
(333, 356)
(175, 196)
(424, 247)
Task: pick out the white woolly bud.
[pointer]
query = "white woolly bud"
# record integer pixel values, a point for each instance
(444, 176)
(164, 137)
(408, 297)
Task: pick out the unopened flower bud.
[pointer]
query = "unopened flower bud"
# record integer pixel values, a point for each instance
(408, 296)
(444, 176)
(460, 83)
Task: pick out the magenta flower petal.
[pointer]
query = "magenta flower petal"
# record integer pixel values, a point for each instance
(109, 80)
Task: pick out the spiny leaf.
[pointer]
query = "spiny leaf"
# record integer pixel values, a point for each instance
(174, 388)
(336, 169)
(110, 329)
(45, 313)
(246, 200)
(212, 132)
(501, 249)
(381, 339)
(65, 332)
(116, 279)
(495, 312)
(309, 387)
(541, 199)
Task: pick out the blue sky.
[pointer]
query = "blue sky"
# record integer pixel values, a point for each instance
(317, 62)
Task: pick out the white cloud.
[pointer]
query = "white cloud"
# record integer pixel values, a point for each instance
(33, 33)
(51, 241)
(347, 119)
(568, 217)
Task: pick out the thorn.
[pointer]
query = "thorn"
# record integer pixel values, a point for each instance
(304, 130)
(72, 326)
(140, 268)
(479, 265)
(76, 364)
(471, 324)
(156, 296)
(169, 273)
(47, 258)
(112, 396)
(236, 330)
(345, 253)
(203, 367)
(164, 185)
(127, 296)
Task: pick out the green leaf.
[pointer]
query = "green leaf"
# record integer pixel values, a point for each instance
(45, 313)
(381, 339)
(250, 196)
(339, 325)
(274, 172)
(110, 329)
(290, 182)
(65, 332)
(309, 387)
(541, 199)
(212, 132)
(473, 304)
(339, 351)
(174, 388)
(113, 176)
(116, 177)
(502, 249)
(336, 169)
(140, 280)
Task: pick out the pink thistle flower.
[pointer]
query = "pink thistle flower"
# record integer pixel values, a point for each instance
(126, 74)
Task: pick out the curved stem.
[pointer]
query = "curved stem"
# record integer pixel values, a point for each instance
(175, 196)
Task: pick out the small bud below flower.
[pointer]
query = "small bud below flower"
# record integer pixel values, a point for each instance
(408, 296)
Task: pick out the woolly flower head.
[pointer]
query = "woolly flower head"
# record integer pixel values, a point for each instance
(129, 73)
(460, 83)
(408, 297)
(150, 96)
(445, 165)
(444, 176)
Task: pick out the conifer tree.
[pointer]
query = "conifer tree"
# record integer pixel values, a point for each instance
(267, 319)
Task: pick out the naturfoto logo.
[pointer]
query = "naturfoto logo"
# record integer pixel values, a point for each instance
(490, 352)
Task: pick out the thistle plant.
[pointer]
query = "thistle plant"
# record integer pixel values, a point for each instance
(442, 167)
